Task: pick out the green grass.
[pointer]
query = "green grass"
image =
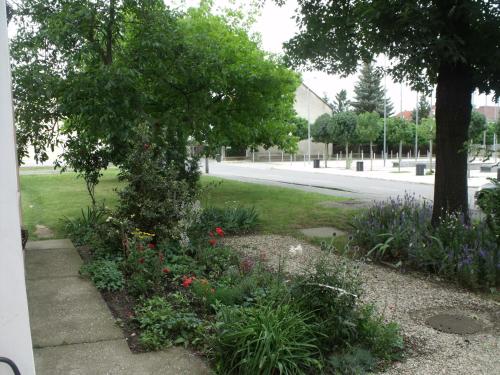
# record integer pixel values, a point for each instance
(48, 198)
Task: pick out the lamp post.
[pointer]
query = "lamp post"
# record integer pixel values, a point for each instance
(385, 114)
(416, 131)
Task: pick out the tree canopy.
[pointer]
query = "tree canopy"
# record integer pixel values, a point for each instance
(477, 126)
(341, 103)
(322, 129)
(368, 127)
(369, 94)
(450, 43)
(423, 107)
(97, 70)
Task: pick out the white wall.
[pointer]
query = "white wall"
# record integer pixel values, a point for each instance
(15, 336)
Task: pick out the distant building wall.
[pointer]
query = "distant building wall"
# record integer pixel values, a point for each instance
(309, 106)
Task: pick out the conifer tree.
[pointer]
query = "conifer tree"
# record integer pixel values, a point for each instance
(341, 104)
(369, 93)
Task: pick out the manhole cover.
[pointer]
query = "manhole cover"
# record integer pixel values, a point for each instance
(454, 323)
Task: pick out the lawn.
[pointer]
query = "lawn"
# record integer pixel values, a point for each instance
(47, 198)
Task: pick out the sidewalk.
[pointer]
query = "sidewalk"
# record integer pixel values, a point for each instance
(337, 167)
(72, 328)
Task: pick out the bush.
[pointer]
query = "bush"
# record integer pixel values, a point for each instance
(329, 290)
(356, 361)
(234, 219)
(266, 340)
(105, 274)
(162, 326)
(400, 230)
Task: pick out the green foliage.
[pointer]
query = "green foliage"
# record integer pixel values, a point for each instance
(356, 361)
(265, 339)
(329, 290)
(399, 130)
(104, 67)
(400, 231)
(163, 326)
(424, 109)
(344, 127)
(477, 126)
(369, 93)
(157, 197)
(368, 127)
(232, 218)
(300, 127)
(105, 274)
(427, 129)
(341, 104)
(82, 229)
(322, 129)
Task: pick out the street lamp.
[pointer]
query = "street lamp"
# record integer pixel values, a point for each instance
(416, 131)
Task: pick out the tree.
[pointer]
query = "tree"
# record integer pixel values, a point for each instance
(427, 43)
(341, 104)
(427, 133)
(300, 127)
(369, 93)
(477, 127)
(322, 131)
(96, 70)
(344, 131)
(424, 109)
(369, 128)
(399, 131)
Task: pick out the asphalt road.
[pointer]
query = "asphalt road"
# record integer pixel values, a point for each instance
(361, 188)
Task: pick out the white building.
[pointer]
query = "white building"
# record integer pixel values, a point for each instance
(309, 106)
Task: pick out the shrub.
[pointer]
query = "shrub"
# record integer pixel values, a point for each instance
(162, 326)
(265, 340)
(356, 361)
(329, 290)
(82, 229)
(105, 274)
(234, 219)
(158, 197)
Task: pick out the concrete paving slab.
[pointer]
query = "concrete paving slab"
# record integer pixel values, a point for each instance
(68, 310)
(49, 245)
(52, 263)
(322, 232)
(114, 358)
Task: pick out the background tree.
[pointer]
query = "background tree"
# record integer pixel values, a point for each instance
(424, 109)
(368, 129)
(341, 104)
(427, 133)
(477, 127)
(399, 131)
(344, 131)
(322, 132)
(427, 43)
(300, 127)
(369, 93)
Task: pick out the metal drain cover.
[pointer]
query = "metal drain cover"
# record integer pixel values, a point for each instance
(454, 323)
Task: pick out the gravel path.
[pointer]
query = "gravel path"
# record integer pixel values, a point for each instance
(409, 300)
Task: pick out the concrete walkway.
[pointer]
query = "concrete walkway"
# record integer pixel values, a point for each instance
(72, 328)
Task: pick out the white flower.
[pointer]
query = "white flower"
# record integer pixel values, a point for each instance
(109, 219)
(296, 250)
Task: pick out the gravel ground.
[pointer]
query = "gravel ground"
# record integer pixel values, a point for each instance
(409, 300)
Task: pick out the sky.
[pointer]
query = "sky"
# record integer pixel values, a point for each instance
(276, 26)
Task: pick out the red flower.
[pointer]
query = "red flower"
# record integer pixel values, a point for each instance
(161, 257)
(219, 231)
(187, 281)
(212, 242)
(146, 146)
(211, 234)
(141, 260)
(165, 270)
(151, 245)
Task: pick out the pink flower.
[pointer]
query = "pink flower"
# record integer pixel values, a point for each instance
(187, 281)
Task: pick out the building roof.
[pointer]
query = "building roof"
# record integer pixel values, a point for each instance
(491, 113)
(407, 115)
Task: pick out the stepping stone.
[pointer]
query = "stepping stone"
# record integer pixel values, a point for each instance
(455, 323)
(322, 232)
(43, 232)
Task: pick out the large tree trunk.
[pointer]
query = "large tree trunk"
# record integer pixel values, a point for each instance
(453, 110)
